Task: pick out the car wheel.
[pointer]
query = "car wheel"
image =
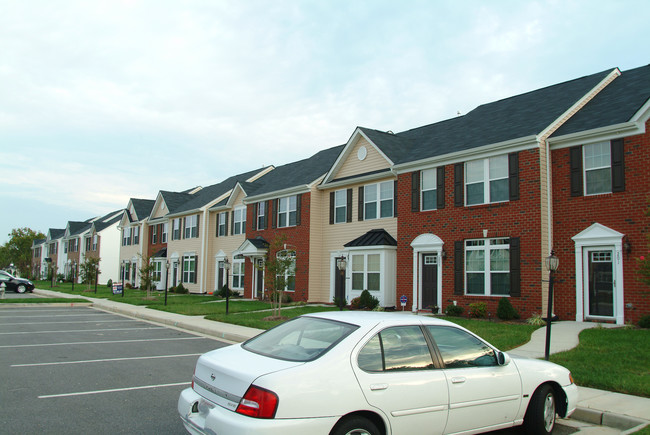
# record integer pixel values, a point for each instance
(355, 425)
(21, 288)
(540, 415)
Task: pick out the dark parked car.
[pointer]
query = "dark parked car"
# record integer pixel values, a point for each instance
(19, 285)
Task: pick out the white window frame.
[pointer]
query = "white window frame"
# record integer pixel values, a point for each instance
(374, 197)
(290, 272)
(189, 269)
(287, 208)
(428, 183)
(359, 265)
(157, 271)
(590, 166)
(486, 246)
(261, 213)
(486, 177)
(136, 235)
(154, 234)
(221, 227)
(126, 236)
(239, 221)
(191, 229)
(238, 271)
(341, 204)
(95, 239)
(177, 231)
(163, 236)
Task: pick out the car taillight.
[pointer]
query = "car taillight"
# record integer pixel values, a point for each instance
(258, 403)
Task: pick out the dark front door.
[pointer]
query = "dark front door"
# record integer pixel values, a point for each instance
(220, 276)
(339, 284)
(259, 286)
(601, 283)
(429, 280)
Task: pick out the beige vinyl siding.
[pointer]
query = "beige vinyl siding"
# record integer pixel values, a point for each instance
(328, 239)
(178, 248)
(160, 210)
(374, 161)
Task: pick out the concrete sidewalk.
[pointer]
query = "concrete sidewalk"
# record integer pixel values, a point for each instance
(623, 412)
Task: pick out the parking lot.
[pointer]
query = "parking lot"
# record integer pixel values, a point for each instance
(80, 370)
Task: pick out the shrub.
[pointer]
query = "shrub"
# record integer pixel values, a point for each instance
(109, 284)
(226, 291)
(368, 301)
(478, 310)
(536, 320)
(454, 310)
(128, 285)
(644, 322)
(181, 290)
(506, 311)
(355, 303)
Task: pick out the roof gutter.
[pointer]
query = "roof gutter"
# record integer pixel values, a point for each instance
(294, 190)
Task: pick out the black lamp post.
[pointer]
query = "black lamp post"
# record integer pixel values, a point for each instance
(226, 266)
(342, 264)
(552, 263)
(166, 279)
(74, 267)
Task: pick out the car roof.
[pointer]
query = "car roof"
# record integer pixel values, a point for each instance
(368, 319)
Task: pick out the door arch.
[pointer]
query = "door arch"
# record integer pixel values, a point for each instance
(427, 270)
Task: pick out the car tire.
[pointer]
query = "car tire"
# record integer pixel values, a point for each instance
(540, 415)
(21, 288)
(355, 425)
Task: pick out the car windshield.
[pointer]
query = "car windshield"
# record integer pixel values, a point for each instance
(301, 339)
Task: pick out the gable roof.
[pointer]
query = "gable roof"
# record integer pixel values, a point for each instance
(76, 228)
(107, 220)
(142, 208)
(55, 233)
(618, 103)
(294, 175)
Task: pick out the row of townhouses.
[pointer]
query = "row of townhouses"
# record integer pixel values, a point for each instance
(460, 211)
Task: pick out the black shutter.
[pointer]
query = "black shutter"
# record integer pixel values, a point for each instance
(348, 217)
(459, 269)
(360, 211)
(515, 268)
(198, 224)
(256, 208)
(298, 208)
(225, 230)
(182, 266)
(513, 176)
(232, 222)
(575, 154)
(459, 198)
(274, 218)
(395, 198)
(332, 196)
(618, 166)
(217, 233)
(267, 213)
(415, 191)
(183, 229)
(440, 187)
(196, 268)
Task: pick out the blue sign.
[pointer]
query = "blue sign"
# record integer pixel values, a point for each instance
(117, 289)
(402, 300)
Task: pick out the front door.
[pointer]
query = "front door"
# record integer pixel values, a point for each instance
(429, 280)
(339, 283)
(259, 282)
(600, 282)
(175, 274)
(219, 275)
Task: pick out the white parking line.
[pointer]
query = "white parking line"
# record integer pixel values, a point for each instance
(14, 346)
(105, 360)
(72, 321)
(114, 390)
(58, 315)
(80, 330)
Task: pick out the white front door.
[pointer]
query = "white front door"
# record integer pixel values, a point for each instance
(599, 282)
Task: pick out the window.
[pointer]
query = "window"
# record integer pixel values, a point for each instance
(136, 235)
(287, 212)
(191, 226)
(95, 239)
(222, 224)
(126, 271)
(126, 236)
(239, 221)
(261, 215)
(366, 272)
(598, 168)
(165, 228)
(238, 273)
(154, 234)
(176, 229)
(460, 349)
(486, 180)
(487, 267)
(340, 206)
(399, 348)
(88, 241)
(189, 269)
(429, 197)
(378, 200)
(290, 274)
(157, 271)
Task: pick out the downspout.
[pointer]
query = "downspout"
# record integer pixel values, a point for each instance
(549, 195)
(203, 276)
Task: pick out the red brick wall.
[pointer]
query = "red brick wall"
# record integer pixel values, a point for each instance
(621, 211)
(519, 218)
(152, 248)
(296, 237)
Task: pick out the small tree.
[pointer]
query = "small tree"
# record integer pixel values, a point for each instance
(88, 270)
(644, 261)
(146, 274)
(278, 263)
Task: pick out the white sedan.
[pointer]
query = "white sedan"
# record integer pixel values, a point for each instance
(371, 373)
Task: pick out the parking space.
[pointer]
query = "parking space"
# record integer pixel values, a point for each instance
(80, 370)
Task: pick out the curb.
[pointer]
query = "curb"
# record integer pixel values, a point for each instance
(624, 423)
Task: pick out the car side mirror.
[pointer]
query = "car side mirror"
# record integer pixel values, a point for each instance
(503, 359)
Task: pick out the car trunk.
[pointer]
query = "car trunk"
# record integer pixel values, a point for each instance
(223, 375)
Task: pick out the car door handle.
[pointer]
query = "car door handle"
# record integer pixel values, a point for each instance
(458, 380)
(377, 387)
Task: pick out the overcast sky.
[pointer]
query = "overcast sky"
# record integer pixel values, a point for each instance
(102, 101)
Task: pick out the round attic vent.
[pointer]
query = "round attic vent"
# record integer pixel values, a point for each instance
(362, 153)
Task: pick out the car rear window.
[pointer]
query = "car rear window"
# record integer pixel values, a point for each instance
(302, 339)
